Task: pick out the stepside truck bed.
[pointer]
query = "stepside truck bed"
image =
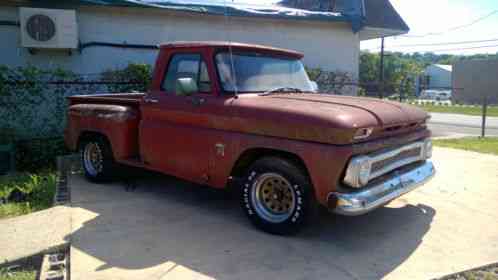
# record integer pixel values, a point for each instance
(114, 115)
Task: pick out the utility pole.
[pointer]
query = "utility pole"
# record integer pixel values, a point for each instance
(484, 114)
(381, 70)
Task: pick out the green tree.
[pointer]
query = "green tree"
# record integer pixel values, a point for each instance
(369, 67)
(400, 72)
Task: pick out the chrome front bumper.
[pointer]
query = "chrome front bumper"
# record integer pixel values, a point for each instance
(378, 194)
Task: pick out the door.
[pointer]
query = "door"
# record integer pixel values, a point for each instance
(176, 130)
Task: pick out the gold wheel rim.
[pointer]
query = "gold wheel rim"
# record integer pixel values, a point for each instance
(274, 197)
(93, 159)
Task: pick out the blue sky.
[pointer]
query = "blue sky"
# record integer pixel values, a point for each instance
(435, 16)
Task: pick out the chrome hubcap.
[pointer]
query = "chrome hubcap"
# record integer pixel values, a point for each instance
(273, 196)
(93, 159)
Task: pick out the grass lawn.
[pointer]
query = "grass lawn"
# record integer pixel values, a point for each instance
(37, 189)
(486, 145)
(464, 110)
(27, 274)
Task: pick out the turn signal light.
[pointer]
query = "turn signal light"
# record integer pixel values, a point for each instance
(363, 133)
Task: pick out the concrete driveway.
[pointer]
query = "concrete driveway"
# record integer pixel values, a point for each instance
(169, 229)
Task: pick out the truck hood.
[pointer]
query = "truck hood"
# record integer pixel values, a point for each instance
(322, 117)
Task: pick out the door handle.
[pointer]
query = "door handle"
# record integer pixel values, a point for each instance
(198, 101)
(150, 100)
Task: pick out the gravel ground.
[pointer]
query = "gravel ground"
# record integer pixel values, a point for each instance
(489, 272)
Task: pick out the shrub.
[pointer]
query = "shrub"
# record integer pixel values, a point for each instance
(39, 154)
(28, 105)
(38, 191)
(138, 73)
(362, 92)
(7, 136)
(333, 82)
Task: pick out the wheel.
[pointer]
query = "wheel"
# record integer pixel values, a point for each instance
(277, 196)
(97, 159)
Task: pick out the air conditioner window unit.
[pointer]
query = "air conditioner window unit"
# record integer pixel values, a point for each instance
(48, 28)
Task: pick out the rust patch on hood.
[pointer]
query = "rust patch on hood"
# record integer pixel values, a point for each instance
(323, 118)
(387, 113)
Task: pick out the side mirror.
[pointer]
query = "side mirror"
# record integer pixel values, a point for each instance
(186, 86)
(314, 86)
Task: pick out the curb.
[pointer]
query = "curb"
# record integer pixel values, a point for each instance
(55, 266)
(450, 137)
(65, 165)
(50, 250)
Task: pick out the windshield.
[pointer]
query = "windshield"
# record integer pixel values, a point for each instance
(255, 73)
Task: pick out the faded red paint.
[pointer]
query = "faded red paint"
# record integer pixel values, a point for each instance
(177, 136)
(117, 122)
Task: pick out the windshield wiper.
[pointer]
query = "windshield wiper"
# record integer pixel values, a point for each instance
(281, 89)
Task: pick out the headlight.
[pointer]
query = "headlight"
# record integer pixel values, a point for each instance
(428, 149)
(358, 172)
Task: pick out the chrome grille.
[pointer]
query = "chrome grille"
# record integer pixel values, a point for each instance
(363, 168)
(386, 161)
(403, 155)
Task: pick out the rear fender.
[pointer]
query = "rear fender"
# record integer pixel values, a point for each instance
(119, 124)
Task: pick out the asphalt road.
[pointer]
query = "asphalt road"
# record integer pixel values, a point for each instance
(445, 125)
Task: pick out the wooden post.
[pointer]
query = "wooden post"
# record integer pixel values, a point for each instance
(484, 113)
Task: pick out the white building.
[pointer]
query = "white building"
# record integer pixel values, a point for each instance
(109, 34)
(438, 77)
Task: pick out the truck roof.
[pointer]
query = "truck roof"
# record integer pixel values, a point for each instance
(234, 45)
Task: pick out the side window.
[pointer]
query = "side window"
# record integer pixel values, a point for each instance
(186, 66)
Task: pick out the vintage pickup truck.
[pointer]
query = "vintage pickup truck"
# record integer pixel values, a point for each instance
(247, 118)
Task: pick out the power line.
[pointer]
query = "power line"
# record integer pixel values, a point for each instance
(456, 49)
(463, 49)
(453, 28)
(440, 44)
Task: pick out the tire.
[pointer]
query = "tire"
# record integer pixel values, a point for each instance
(97, 159)
(277, 196)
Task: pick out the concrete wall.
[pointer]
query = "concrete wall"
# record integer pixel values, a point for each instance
(330, 46)
(439, 77)
(475, 79)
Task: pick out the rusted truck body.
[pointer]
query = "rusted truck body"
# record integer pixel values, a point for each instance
(245, 117)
